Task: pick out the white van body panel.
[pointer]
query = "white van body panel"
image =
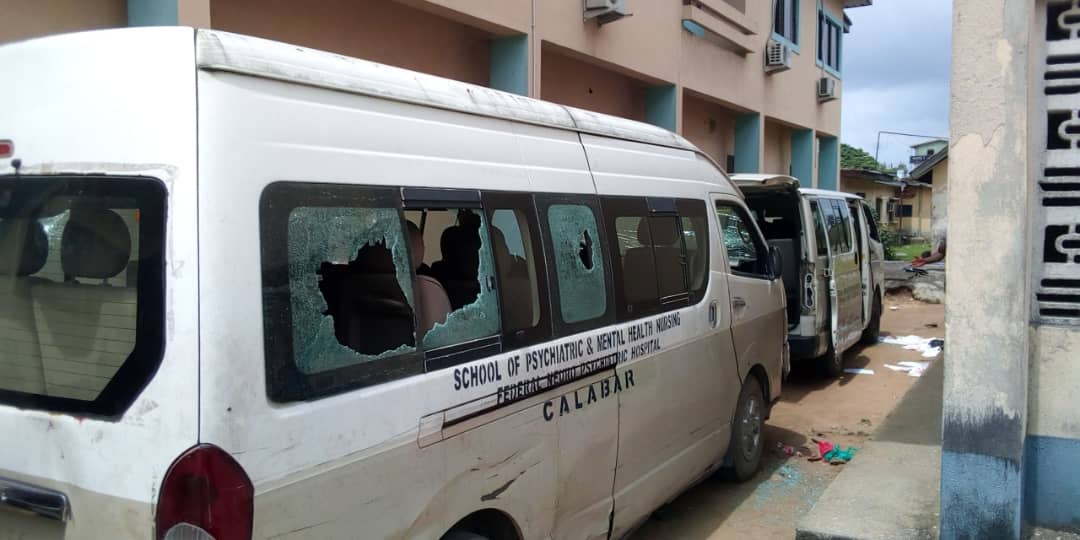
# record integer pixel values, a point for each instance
(114, 103)
(401, 459)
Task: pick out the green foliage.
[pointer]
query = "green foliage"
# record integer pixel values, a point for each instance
(890, 241)
(857, 158)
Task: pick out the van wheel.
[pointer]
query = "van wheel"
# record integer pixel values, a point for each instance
(463, 535)
(747, 440)
(832, 363)
(873, 328)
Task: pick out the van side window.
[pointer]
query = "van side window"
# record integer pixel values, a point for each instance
(745, 250)
(819, 229)
(339, 297)
(519, 262)
(670, 253)
(695, 231)
(455, 275)
(635, 266)
(839, 226)
(577, 261)
(871, 226)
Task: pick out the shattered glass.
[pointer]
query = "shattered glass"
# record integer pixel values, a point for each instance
(335, 236)
(582, 292)
(478, 319)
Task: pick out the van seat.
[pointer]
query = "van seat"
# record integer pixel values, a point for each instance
(86, 331)
(24, 247)
(790, 271)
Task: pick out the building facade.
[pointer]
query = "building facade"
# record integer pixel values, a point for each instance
(1011, 439)
(697, 67)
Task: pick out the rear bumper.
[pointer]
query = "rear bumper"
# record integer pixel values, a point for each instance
(804, 346)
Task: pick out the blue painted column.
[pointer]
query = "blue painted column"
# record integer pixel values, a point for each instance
(152, 12)
(828, 163)
(802, 156)
(509, 70)
(661, 106)
(748, 143)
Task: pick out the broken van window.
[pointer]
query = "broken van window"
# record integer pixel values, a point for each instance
(467, 273)
(582, 293)
(350, 287)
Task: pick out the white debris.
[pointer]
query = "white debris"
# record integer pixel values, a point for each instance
(859, 371)
(914, 343)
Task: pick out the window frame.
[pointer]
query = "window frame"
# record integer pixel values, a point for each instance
(561, 328)
(285, 382)
(872, 228)
(142, 363)
(758, 239)
(418, 198)
(793, 40)
(614, 207)
(696, 295)
(542, 331)
(829, 26)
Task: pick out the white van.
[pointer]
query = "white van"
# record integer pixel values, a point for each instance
(252, 290)
(833, 276)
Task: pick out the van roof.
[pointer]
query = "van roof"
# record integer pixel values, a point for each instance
(828, 193)
(235, 53)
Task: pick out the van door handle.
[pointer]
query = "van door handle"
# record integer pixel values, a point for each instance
(35, 500)
(713, 318)
(738, 302)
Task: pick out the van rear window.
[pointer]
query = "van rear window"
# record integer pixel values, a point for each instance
(81, 291)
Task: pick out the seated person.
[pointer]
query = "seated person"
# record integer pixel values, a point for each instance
(432, 304)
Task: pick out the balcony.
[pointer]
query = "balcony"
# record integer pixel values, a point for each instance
(723, 22)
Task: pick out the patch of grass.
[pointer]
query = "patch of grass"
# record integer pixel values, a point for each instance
(910, 251)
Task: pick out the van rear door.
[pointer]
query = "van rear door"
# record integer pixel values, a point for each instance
(98, 282)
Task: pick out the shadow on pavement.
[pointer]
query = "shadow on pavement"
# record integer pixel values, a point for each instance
(702, 510)
(806, 376)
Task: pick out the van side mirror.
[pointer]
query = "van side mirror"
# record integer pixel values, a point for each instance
(776, 262)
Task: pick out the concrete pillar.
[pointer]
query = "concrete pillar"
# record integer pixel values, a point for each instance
(152, 13)
(828, 163)
(802, 156)
(987, 271)
(748, 141)
(661, 106)
(509, 70)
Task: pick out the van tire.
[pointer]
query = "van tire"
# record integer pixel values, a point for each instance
(832, 362)
(743, 457)
(873, 328)
(463, 535)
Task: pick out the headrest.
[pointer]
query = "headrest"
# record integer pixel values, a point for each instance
(665, 232)
(643, 236)
(96, 244)
(23, 247)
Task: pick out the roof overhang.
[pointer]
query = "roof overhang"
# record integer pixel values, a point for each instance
(857, 3)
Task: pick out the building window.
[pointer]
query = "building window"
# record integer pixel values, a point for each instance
(830, 42)
(786, 22)
(905, 210)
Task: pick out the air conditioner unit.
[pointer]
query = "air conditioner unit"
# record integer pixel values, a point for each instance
(826, 89)
(605, 11)
(777, 57)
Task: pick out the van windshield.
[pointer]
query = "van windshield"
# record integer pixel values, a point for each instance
(80, 291)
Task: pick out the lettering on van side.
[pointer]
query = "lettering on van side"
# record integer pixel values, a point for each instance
(583, 397)
(542, 368)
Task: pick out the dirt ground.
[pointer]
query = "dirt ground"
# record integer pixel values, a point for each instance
(844, 411)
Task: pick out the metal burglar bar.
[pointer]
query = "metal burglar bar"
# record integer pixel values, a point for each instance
(1057, 277)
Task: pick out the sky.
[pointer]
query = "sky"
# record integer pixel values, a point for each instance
(896, 75)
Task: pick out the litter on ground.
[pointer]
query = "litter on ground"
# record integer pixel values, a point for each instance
(914, 369)
(859, 371)
(929, 347)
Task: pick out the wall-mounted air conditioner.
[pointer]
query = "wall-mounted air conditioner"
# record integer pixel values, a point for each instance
(826, 89)
(777, 57)
(605, 11)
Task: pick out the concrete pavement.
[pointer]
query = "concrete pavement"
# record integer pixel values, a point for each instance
(891, 490)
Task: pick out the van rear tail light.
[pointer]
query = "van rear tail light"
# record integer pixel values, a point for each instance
(205, 495)
(7, 149)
